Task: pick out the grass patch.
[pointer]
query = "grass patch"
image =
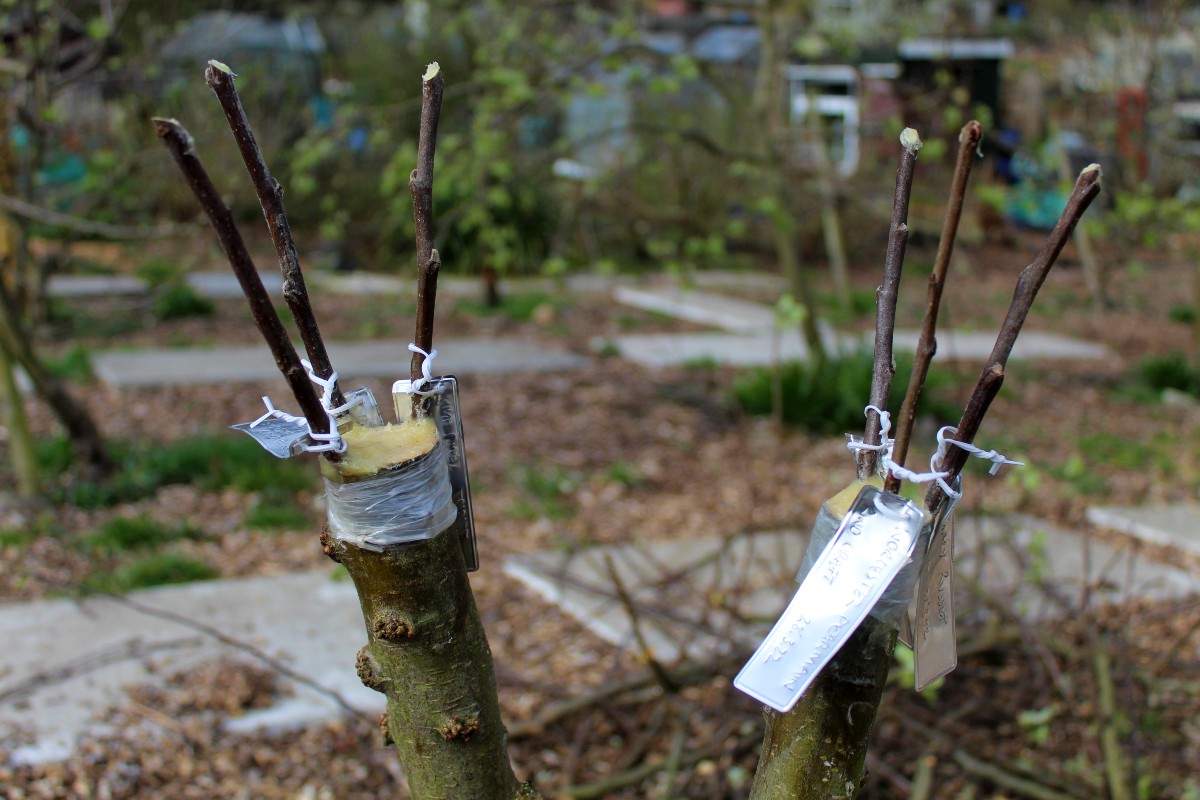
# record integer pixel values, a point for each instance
(210, 463)
(17, 537)
(272, 515)
(545, 492)
(517, 307)
(157, 569)
(73, 365)
(123, 534)
(625, 474)
(829, 399)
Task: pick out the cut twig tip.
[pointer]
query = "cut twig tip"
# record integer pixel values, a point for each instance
(169, 126)
(1092, 168)
(217, 65)
(431, 71)
(910, 140)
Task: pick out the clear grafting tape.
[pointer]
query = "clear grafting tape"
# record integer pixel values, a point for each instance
(406, 503)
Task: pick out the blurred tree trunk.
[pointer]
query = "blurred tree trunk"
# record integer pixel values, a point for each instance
(776, 21)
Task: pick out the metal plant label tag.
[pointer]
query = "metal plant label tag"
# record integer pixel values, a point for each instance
(935, 652)
(281, 438)
(446, 411)
(874, 541)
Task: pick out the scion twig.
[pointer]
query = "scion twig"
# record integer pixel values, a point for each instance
(270, 197)
(420, 183)
(968, 147)
(885, 301)
(1028, 284)
(183, 150)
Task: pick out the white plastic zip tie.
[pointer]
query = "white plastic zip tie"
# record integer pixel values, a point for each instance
(988, 455)
(331, 442)
(426, 372)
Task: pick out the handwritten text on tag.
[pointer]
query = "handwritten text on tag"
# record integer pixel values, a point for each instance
(875, 540)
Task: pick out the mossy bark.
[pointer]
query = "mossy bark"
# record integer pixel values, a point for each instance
(818, 750)
(428, 654)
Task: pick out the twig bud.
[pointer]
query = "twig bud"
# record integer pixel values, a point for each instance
(910, 140)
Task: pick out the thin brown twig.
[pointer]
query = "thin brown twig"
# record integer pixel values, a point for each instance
(885, 302)
(426, 308)
(88, 227)
(1028, 284)
(420, 184)
(183, 150)
(968, 146)
(270, 197)
(664, 678)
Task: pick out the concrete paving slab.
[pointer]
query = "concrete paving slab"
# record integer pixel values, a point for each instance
(691, 595)
(91, 650)
(745, 317)
(222, 285)
(744, 350)
(84, 286)
(726, 313)
(1173, 526)
(181, 366)
(976, 346)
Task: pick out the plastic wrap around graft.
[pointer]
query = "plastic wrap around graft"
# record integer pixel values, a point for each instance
(407, 503)
(893, 604)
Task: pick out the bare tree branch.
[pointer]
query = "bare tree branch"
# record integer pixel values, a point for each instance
(885, 301)
(183, 150)
(1028, 284)
(968, 146)
(88, 227)
(420, 183)
(270, 197)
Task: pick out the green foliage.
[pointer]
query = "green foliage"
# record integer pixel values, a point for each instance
(904, 673)
(829, 397)
(516, 307)
(17, 537)
(1078, 473)
(1170, 371)
(159, 272)
(1130, 454)
(180, 301)
(1184, 312)
(211, 463)
(1037, 723)
(73, 365)
(156, 569)
(625, 474)
(122, 534)
(545, 492)
(277, 514)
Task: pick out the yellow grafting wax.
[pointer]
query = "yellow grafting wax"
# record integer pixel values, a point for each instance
(369, 450)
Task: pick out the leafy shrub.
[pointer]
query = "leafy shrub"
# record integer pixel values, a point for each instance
(179, 301)
(1185, 313)
(1171, 371)
(829, 398)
